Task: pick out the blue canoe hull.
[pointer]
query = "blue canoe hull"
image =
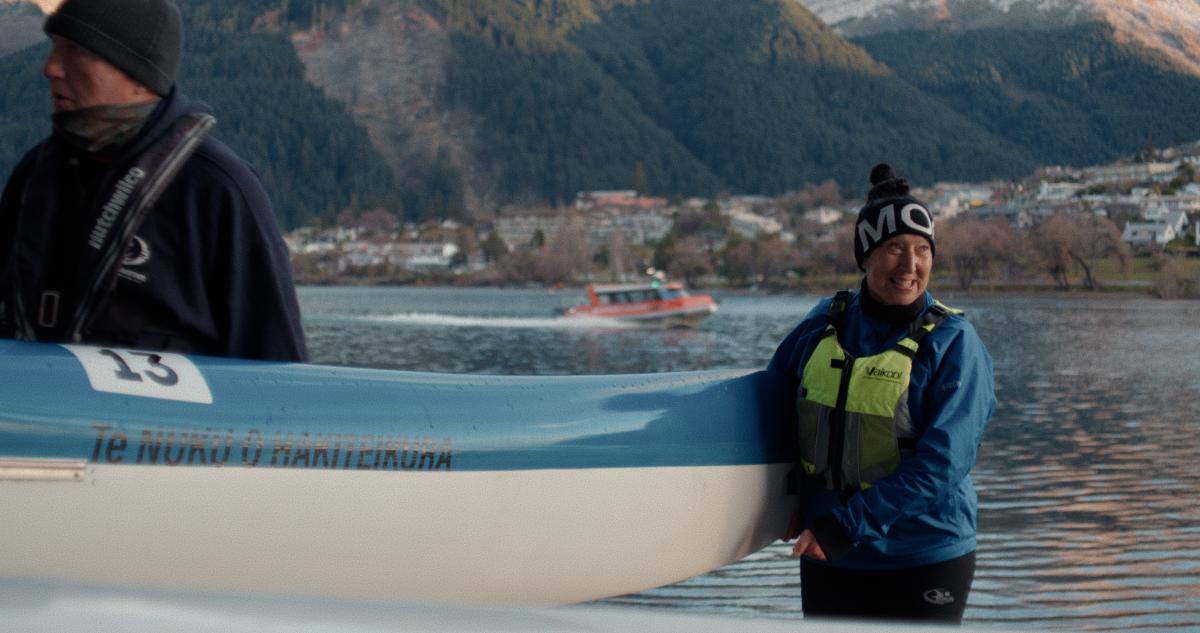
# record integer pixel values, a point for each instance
(196, 473)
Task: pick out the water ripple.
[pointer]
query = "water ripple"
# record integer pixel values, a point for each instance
(1088, 518)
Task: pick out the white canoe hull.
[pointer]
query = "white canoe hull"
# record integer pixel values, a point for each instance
(539, 537)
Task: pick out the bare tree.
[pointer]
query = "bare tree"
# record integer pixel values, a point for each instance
(1082, 239)
(825, 194)
(619, 257)
(972, 246)
(567, 256)
(833, 256)
(772, 259)
(519, 265)
(738, 260)
(1173, 280)
(689, 259)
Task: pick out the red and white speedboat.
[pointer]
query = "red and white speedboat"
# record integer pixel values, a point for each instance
(666, 304)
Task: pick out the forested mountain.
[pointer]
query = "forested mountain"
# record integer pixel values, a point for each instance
(698, 95)
(1075, 81)
(769, 98)
(1071, 95)
(313, 158)
(437, 108)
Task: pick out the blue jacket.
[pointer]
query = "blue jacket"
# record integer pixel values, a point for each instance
(207, 272)
(924, 512)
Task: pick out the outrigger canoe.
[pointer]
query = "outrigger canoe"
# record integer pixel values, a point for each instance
(189, 473)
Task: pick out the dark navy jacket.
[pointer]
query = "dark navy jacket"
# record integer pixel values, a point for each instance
(924, 512)
(207, 273)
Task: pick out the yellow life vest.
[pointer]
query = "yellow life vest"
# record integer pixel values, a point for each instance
(853, 412)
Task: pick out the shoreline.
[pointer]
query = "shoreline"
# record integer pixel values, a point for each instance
(1125, 288)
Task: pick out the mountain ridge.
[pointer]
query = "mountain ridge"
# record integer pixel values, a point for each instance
(1171, 28)
(472, 106)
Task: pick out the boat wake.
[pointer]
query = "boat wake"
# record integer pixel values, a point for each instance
(507, 322)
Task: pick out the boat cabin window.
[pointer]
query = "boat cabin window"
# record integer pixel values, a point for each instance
(672, 293)
(638, 296)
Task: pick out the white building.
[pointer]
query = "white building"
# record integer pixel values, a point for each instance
(421, 255)
(638, 227)
(361, 254)
(1133, 172)
(746, 204)
(947, 200)
(752, 225)
(1058, 190)
(1148, 234)
(518, 227)
(640, 219)
(1017, 215)
(1177, 220)
(823, 215)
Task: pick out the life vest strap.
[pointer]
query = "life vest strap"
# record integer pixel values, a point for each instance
(933, 317)
(836, 313)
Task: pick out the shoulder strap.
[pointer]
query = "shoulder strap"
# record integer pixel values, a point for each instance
(928, 322)
(835, 315)
(140, 187)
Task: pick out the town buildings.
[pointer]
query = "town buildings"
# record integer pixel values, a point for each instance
(1154, 204)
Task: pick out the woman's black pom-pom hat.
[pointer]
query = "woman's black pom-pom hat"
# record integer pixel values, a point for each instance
(889, 211)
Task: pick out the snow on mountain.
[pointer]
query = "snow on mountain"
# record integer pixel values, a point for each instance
(1171, 27)
(46, 6)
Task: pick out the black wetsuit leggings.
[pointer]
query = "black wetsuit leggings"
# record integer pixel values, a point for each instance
(932, 593)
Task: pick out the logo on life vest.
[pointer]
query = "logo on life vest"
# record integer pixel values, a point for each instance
(891, 374)
(136, 254)
(112, 209)
(939, 597)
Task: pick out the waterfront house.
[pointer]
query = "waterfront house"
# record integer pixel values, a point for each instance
(1150, 234)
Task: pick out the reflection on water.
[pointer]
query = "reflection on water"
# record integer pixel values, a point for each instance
(1088, 513)
(1087, 476)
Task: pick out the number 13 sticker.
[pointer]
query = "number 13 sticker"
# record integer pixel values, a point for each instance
(148, 374)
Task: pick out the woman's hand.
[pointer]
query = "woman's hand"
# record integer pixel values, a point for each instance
(807, 545)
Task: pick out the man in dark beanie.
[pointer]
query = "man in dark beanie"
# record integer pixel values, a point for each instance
(131, 226)
(892, 391)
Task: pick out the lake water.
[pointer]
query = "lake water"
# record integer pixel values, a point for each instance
(1089, 515)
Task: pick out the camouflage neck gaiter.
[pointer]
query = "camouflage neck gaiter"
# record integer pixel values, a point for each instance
(98, 128)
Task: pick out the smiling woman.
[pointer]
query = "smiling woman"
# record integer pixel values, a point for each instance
(892, 391)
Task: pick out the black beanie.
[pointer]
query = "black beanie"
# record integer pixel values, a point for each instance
(889, 211)
(142, 38)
